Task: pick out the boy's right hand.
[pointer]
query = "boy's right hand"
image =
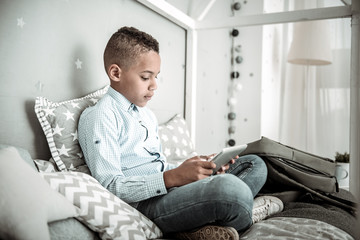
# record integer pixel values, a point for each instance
(191, 170)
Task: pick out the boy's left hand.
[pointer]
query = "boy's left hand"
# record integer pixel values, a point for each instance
(225, 167)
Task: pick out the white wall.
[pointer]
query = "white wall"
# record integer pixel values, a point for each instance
(40, 41)
(214, 81)
(38, 59)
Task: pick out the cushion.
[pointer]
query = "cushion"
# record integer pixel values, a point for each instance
(46, 165)
(59, 122)
(175, 139)
(100, 210)
(24, 154)
(71, 229)
(27, 203)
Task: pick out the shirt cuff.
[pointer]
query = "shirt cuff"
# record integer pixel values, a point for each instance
(156, 185)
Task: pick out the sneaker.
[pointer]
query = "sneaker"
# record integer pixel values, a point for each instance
(210, 232)
(266, 206)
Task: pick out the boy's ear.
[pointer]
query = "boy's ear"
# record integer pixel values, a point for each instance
(114, 72)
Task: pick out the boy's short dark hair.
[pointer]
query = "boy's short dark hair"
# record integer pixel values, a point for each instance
(126, 45)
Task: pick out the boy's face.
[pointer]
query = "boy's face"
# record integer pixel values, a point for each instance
(138, 83)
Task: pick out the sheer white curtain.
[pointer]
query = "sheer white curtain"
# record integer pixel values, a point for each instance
(319, 122)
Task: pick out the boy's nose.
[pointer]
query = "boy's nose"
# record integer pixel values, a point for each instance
(153, 85)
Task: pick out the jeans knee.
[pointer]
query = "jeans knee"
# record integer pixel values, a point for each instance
(232, 190)
(232, 201)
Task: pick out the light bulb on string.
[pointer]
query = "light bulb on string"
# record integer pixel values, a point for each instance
(238, 87)
(232, 129)
(232, 116)
(232, 101)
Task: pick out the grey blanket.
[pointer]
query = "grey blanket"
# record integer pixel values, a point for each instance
(308, 206)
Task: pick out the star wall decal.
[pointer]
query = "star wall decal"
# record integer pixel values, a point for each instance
(20, 22)
(78, 64)
(39, 86)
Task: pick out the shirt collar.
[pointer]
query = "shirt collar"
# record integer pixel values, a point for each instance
(123, 102)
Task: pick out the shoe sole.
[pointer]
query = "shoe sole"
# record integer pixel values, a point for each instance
(210, 233)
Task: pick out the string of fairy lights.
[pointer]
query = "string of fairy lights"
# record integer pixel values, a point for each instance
(235, 85)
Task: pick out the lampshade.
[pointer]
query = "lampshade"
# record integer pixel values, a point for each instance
(311, 44)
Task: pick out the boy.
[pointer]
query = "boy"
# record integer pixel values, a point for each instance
(123, 152)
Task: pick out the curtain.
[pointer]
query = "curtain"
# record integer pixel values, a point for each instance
(306, 107)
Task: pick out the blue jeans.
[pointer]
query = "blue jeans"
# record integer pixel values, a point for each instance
(224, 199)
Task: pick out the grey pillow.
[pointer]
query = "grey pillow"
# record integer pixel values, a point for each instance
(59, 121)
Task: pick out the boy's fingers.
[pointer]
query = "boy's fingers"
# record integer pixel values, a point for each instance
(208, 165)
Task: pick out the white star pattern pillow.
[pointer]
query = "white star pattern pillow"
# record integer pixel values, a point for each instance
(59, 122)
(175, 140)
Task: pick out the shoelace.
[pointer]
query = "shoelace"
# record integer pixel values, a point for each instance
(260, 212)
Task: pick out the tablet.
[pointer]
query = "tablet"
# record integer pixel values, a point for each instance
(226, 155)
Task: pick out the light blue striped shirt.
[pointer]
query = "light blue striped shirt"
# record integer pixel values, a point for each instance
(122, 148)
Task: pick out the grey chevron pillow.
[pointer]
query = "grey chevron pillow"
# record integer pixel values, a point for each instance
(100, 210)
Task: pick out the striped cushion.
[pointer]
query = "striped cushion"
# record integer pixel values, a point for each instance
(100, 210)
(59, 122)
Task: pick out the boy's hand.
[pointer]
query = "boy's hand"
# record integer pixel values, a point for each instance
(225, 167)
(191, 170)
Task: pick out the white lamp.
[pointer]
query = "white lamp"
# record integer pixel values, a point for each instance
(310, 46)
